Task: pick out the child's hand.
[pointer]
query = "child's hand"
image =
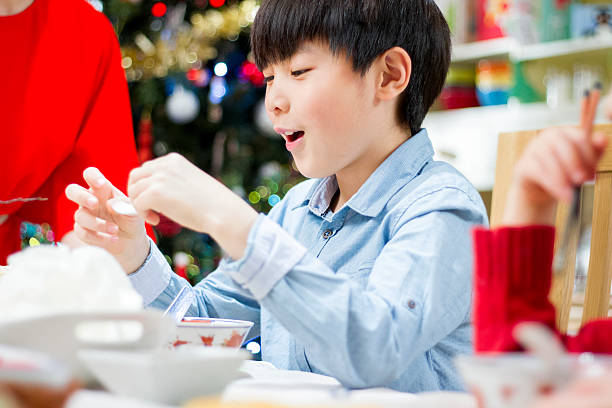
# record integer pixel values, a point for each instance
(173, 186)
(101, 221)
(551, 166)
(608, 106)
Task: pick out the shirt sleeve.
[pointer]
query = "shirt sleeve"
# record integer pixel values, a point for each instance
(217, 296)
(416, 295)
(593, 337)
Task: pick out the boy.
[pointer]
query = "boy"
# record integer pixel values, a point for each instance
(361, 273)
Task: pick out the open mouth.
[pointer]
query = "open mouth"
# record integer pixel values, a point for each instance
(292, 137)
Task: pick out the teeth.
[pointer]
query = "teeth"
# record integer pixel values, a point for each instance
(288, 133)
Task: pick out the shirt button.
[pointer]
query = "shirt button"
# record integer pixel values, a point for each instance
(411, 304)
(327, 234)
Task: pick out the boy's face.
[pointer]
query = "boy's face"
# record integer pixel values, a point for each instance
(323, 110)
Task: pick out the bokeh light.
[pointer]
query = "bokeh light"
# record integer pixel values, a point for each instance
(254, 197)
(221, 69)
(253, 347)
(273, 200)
(216, 3)
(159, 9)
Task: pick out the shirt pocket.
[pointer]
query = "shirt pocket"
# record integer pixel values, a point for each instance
(361, 274)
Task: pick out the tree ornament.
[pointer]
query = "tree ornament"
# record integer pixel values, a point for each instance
(182, 106)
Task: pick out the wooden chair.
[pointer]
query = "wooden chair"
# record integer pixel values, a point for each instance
(597, 293)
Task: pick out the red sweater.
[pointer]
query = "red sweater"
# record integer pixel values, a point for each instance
(64, 106)
(511, 284)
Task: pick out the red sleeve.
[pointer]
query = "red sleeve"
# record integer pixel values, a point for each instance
(106, 138)
(594, 337)
(511, 283)
(512, 280)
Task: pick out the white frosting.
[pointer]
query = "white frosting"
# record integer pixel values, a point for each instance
(49, 279)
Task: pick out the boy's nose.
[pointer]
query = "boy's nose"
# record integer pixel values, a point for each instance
(276, 102)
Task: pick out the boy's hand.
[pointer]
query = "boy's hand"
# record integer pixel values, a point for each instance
(551, 166)
(97, 221)
(173, 186)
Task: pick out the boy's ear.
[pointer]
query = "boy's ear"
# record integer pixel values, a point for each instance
(394, 70)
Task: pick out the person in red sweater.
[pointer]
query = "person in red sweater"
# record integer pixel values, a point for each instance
(64, 107)
(513, 263)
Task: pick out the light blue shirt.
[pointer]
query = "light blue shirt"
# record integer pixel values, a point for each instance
(377, 294)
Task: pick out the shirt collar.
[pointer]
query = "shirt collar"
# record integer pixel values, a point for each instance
(402, 165)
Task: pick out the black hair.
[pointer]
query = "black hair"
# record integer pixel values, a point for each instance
(362, 30)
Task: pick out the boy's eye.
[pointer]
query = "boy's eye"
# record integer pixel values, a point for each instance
(268, 79)
(299, 72)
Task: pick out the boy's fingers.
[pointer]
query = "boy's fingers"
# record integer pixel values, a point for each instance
(94, 177)
(126, 216)
(81, 196)
(143, 205)
(151, 217)
(88, 221)
(139, 173)
(135, 189)
(94, 238)
(122, 208)
(99, 184)
(119, 194)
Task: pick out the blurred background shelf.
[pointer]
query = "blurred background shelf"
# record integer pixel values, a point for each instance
(510, 48)
(467, 138)
(561, 48)
(475, 51)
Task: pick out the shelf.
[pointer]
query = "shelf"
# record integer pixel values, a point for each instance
(509, 48)
(561, 48)
(472, 52)
(467, 138)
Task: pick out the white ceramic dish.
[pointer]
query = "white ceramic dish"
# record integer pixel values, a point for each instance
(61, 336)
(513, 380)
(211, 332)
(165, 376)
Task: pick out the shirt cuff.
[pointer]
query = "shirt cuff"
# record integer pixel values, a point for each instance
(152, 278)
(270, 254)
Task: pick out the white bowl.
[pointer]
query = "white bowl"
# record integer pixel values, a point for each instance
(60, 336)
(165, 376)
(513, 380)
(211, 332)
